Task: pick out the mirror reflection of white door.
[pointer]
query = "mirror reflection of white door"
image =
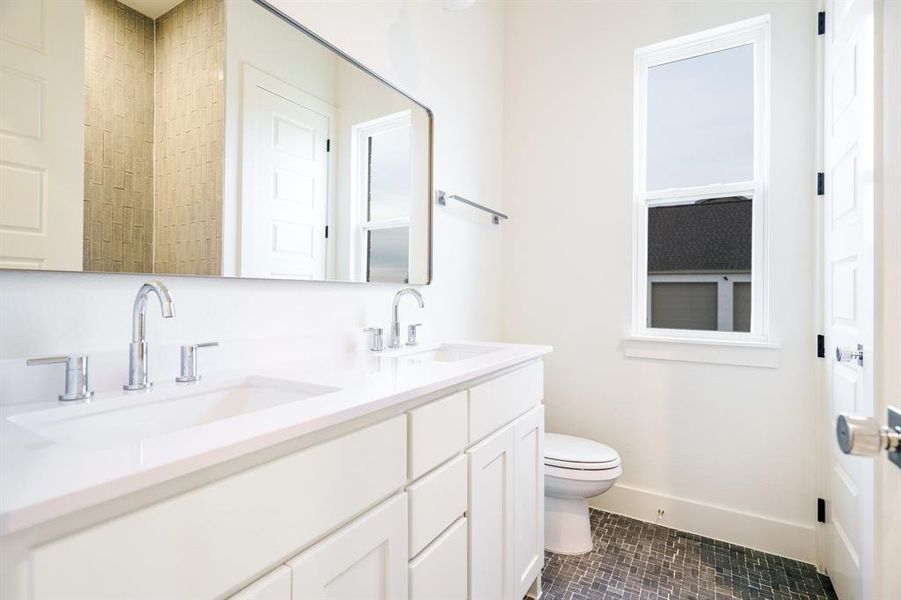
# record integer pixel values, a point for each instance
(849, 286)
(41, 134)
(284, 202)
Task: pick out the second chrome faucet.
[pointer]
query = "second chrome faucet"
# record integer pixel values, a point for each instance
(377, 338)
(395, 319)
(137, 354)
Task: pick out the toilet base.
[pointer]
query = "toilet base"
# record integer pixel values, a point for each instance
(567, 529)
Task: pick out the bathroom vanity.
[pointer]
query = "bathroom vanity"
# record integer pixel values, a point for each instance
(414, 474)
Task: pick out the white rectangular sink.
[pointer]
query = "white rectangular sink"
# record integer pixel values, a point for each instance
(450, 353)
(140, 416)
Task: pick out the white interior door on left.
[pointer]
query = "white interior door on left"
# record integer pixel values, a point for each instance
(284, 199)
(41, 134)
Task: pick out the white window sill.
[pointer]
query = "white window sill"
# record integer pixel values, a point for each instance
(721, 352)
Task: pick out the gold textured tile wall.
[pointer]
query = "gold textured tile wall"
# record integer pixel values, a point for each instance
(118, 168)
(190, 98)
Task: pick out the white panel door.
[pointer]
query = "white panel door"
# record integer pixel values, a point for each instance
(888, 336)
(41, 134)
(529, 499)
(849, 289)
(275, 585)
(284, 201)
(365, 560)
(491, 510)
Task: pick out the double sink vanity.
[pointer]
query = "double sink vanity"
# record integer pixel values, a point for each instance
(317, 470)
(410, 473)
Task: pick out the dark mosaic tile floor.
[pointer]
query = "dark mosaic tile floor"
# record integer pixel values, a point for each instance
(634, 560)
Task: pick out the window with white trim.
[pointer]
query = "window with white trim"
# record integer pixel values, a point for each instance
(382, 151)
(700, 185)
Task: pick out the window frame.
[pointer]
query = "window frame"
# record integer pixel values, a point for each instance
(756, 32)
(360, 225)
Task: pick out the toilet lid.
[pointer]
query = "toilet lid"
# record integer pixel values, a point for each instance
(578, 453)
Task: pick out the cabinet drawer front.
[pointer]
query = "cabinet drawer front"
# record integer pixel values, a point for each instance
(436, 501)
(440, 572)
(495, 403)
(209, 541)
(273, 586)
(365, 559)
(437, 432)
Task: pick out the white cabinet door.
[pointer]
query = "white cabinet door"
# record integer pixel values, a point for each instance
(364, 560)
(491, 469)
(272, 586)
(529, 499)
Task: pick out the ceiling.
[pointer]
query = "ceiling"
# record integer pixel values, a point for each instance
(151, 8)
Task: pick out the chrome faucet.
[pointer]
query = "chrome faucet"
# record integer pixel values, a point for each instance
(395, 319)
(137, 355)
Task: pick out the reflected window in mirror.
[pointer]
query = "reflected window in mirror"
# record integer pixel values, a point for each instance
(383, 201)
(700, 185)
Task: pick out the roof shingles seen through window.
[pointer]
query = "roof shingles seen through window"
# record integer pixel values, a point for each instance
(711, 236)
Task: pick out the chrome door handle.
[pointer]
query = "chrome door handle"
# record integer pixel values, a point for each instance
(862, 436)
(849, 354)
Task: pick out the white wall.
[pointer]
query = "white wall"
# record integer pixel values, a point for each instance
(726, 451)
(451, 62)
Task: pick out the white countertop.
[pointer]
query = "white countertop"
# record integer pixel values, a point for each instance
(42, 480)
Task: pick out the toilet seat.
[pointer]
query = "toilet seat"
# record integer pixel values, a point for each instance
(577, 454)
(607, 474)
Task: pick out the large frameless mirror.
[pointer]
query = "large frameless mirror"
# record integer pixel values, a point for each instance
(203, 137)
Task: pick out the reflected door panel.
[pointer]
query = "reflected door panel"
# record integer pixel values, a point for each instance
(286, 174)
(41, 130)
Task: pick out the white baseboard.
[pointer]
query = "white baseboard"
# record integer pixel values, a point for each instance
(784, 538)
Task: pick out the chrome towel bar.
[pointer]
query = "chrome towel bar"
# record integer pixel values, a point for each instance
(442, 198)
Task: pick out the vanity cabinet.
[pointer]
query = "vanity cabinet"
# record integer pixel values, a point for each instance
(366, 559)
(274, 586)
(491, 517)
(439, 572)
(528, 493)
(506, 510)
(438, 499)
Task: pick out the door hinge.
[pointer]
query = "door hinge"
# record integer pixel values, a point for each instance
(328, 145)
(821, 510)
(326, 231)
(821, 22)
(821, 184)
(821, 346)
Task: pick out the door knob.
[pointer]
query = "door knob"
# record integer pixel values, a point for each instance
(862, 436)
(849, 354)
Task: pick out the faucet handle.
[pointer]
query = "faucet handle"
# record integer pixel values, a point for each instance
(76, 375)
(411, 333)
(376, 339)
(189, 373)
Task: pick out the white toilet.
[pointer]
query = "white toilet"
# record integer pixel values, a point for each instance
(575, 469)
